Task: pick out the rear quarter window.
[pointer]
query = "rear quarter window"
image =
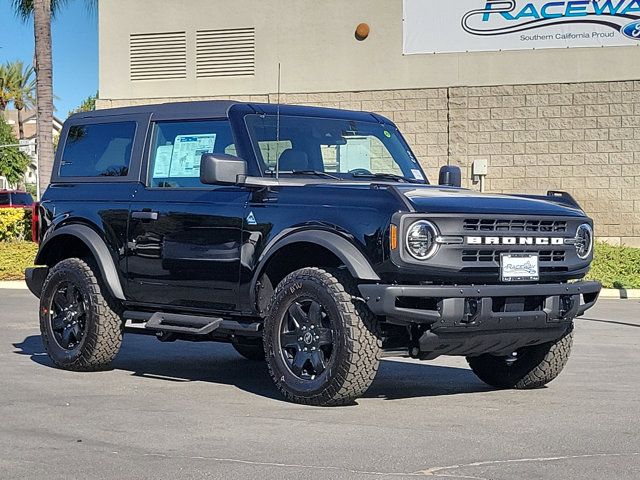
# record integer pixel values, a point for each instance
(98, 150)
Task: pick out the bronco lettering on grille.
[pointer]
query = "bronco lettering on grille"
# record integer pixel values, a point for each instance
(514, 240)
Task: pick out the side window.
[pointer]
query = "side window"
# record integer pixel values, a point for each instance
(178, 148)
(98, 150)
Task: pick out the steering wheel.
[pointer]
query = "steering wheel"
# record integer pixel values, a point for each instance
(359, 171)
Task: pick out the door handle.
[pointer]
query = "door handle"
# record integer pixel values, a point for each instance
(145, 215)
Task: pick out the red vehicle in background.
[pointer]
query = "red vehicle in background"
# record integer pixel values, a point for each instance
(15, 199)
(21, 199)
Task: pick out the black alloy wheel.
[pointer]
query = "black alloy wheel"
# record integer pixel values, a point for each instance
(306, 339)
(67, 315)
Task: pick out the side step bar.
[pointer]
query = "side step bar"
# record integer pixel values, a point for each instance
(174, 323)
(187, 324)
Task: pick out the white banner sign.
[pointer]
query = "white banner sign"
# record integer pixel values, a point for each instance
(440, 26)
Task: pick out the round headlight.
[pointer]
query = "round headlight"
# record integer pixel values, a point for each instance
(421, 240)
(584, 241)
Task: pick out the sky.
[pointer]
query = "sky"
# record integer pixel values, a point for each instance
(75, 51)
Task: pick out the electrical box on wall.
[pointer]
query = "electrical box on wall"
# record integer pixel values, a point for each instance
(480, 167)
(479, 170)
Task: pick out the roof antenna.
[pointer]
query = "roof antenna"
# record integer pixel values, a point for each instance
(278, 128)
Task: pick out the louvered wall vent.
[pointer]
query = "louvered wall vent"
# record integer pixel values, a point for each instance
(158, 56)
(225, 53)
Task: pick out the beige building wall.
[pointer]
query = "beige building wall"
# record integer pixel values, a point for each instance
(548, 119)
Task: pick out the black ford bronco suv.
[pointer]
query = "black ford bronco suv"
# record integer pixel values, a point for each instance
(306, 237)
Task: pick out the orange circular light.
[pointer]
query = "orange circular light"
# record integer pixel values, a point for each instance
(362, 31)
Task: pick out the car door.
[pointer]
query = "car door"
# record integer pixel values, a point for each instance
(184, 238)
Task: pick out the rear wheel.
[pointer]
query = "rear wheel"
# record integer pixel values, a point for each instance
(320, 344)
(528, 368)
(79, 324)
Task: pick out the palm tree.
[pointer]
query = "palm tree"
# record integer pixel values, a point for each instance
(6, 81)
(22, 89)
(41, 12)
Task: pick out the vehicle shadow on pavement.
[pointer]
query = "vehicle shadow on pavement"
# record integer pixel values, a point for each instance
(145, 357)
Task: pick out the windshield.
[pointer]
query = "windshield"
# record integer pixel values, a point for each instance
(342, 148)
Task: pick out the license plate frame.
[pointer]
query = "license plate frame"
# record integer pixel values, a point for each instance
(519, 267)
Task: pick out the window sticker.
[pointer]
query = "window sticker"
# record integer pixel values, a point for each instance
(187, 152)
(417, 174)
(163, 161)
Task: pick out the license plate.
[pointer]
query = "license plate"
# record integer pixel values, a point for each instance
(519, 267)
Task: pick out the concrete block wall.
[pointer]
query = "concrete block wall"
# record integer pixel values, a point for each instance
(583, 138)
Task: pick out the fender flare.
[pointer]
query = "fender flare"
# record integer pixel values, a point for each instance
(347, 252)
(100, 252)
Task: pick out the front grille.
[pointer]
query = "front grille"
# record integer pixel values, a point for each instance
(494, 255)
(508, 225)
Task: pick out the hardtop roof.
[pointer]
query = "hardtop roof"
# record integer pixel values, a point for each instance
(220, 109)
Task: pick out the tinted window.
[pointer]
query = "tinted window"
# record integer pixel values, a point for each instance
(179, 146)
(98, 150)
(4, 199)
(21, 198)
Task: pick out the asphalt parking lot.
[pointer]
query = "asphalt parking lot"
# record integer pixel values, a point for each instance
(194, 411)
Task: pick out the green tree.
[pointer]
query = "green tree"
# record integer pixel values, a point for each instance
(13, 163)
(87, 105)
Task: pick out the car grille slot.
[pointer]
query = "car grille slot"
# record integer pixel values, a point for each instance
(510, 225)
(494, 255)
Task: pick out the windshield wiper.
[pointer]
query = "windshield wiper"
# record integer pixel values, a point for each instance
(313, 172)
(387, 176)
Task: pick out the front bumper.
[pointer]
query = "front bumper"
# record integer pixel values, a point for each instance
(472, 320)
(455, 304)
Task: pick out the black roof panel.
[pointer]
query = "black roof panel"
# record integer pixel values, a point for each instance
(220, 109)
(213, 108)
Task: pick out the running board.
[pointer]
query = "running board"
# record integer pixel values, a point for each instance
(175, 323)
(150, 323)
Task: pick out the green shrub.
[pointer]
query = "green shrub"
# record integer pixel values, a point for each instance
(15, 256)
(616, 267)
(15, 224)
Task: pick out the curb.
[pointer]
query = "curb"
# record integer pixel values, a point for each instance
(13, 285)
(620, 293)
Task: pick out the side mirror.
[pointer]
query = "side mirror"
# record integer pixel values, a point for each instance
(450, 176)
(221, 169)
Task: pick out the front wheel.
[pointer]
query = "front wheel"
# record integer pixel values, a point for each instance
(528, 368)
(320, 343)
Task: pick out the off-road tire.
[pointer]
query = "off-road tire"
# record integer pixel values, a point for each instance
(356, 346)
(253, 352)
(103, 326)
(535, 366)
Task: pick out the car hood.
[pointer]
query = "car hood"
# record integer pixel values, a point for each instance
(432, 199)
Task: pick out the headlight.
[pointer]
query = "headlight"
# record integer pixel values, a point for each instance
(584, 241)
(421, 240)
